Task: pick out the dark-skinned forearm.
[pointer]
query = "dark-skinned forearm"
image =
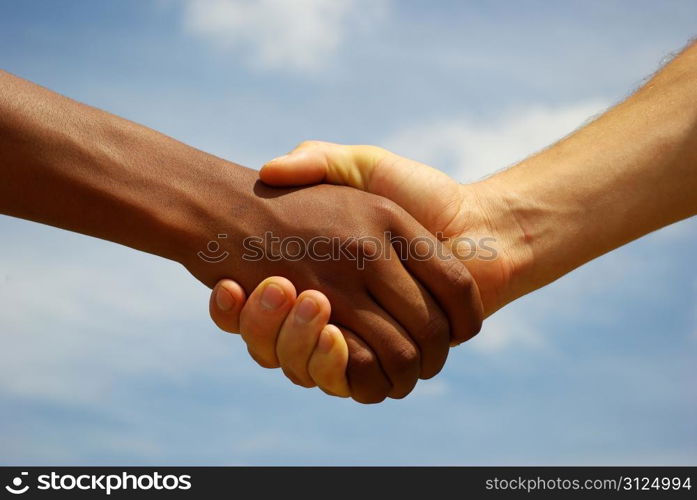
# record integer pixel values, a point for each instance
(75, 167)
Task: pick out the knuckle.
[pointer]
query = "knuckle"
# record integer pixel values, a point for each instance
(361, 360)
(365, 388)
(261, 361)
(369, 398)
(458, 276)
(433, 370)
(228, 325)
(376, 150)
(461, 281)
(227, 322)
(401, 395)
(405, 361)
(385, 207)
(308, 144)
(434, 339)
(258, 330)
(382, 209)
(298, 380)
(477, 322)
(330, 392)
(435, 330)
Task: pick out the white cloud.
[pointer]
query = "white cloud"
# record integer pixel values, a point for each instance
(299, 35)
(469, 150)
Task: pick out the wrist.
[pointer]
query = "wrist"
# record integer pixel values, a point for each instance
(217, 213)
(541, 216)
(503, 271)
(181, 215)
(210, 205)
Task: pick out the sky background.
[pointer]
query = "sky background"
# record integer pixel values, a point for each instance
(107, 355)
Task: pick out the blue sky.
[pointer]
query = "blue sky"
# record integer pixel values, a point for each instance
(108, 356)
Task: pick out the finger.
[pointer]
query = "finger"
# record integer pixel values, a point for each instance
(294, 169)
(262, 317)
(315, 161)
(397, 354)
(444, 276)
(368, 383)
(328, 362)
(299, 334)
(414, 308)
(227, 300)
(372, 169)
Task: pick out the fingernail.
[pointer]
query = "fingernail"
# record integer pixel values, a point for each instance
(224, 300)
(272, 297)
(325, 341)
(307, 310)
(279, 158)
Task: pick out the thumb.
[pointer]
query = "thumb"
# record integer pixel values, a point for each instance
(314, 161)
(297, 168)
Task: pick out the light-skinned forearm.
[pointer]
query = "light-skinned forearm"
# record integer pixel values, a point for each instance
(629, 172)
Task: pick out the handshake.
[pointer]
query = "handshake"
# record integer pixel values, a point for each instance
(395, 262)
(395, 269)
